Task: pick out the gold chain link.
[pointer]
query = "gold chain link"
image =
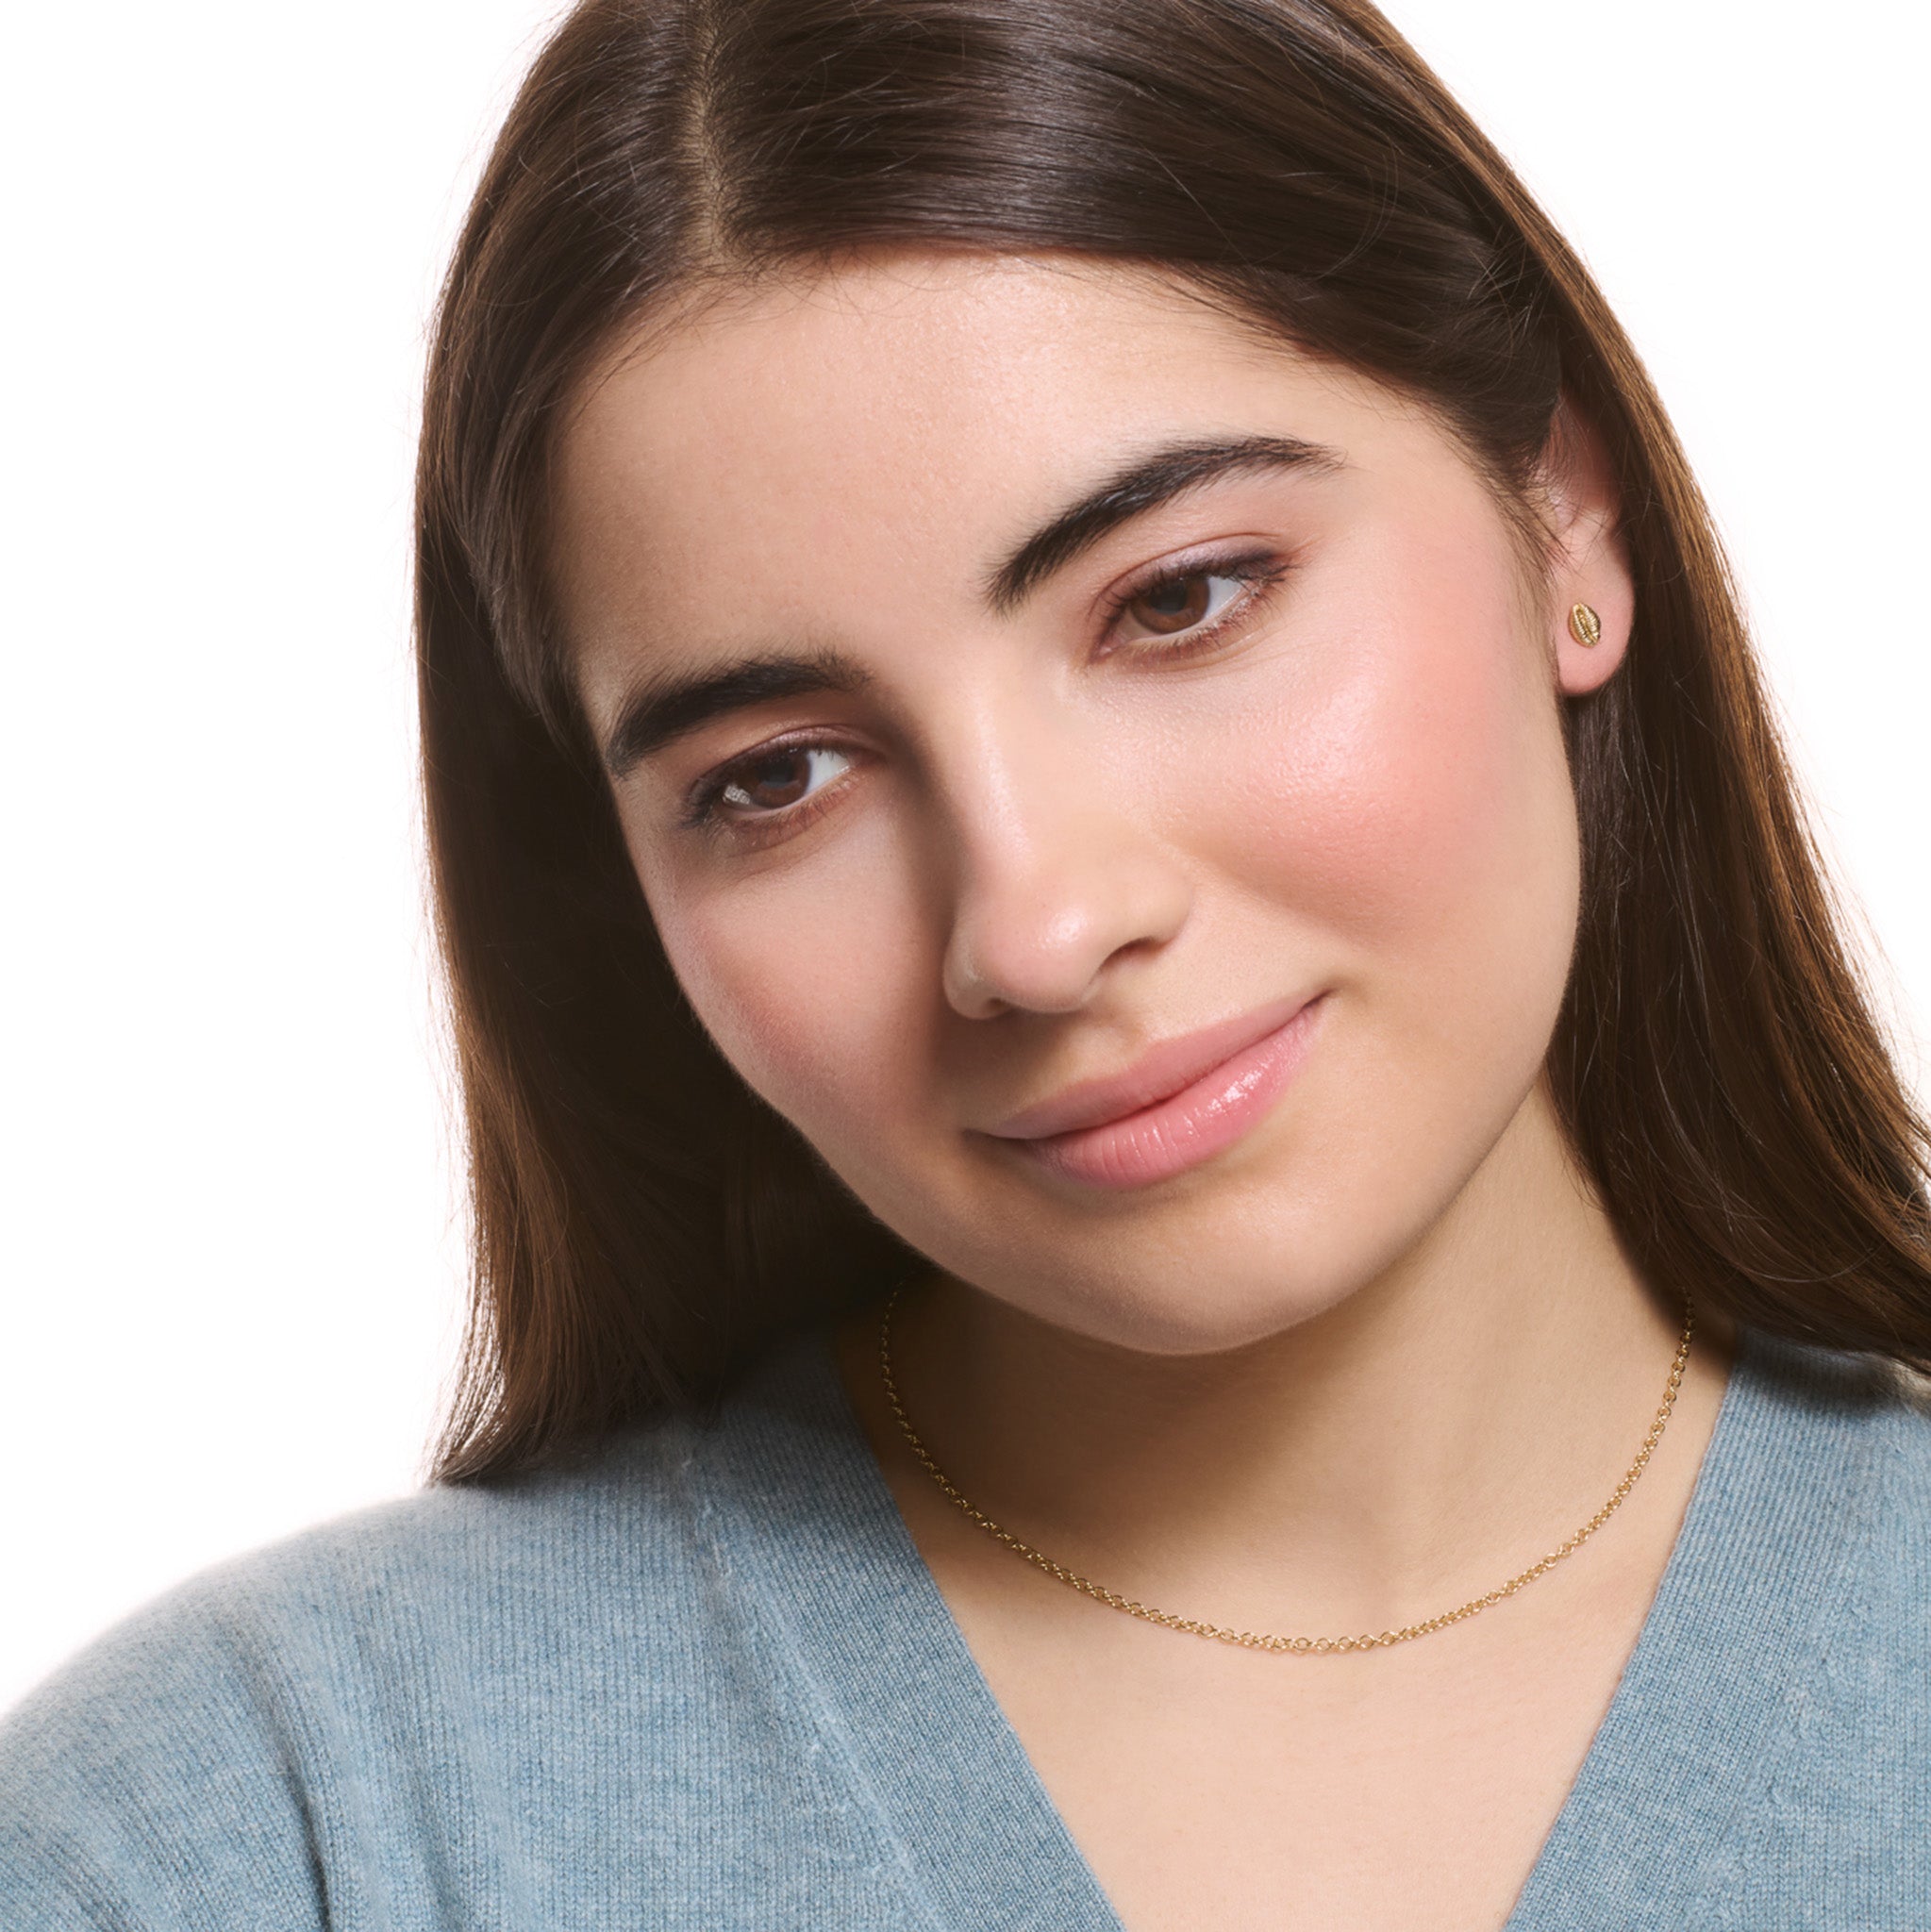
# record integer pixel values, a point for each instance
(1253, 1640)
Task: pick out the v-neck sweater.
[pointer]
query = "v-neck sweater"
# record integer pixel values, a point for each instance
(705, 1680)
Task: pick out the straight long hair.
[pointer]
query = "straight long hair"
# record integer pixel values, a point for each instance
(642, 1223)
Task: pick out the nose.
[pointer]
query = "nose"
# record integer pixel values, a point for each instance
(1055, 878)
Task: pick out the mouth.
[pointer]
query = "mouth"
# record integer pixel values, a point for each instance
(1178, 1105)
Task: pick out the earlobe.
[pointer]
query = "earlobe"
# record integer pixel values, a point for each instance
(1590, 641)
(1591, 600)
(1592, 591)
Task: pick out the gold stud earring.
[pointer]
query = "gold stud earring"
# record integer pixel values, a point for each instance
(1585, 627)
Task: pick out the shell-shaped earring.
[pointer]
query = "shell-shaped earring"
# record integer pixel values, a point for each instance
(1585, 627)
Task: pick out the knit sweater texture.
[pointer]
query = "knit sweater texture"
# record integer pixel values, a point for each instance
(705, 1684)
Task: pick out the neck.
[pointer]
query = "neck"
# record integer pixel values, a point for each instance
(1472, 1406)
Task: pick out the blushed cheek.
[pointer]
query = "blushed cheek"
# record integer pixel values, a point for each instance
(1417, 811)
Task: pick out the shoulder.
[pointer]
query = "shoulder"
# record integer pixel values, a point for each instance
(1831, 1476)
(166, 1775)
(185, 1769)
(1832, 1406)
(324, 1602)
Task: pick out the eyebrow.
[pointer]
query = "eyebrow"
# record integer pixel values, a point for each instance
(664, 709)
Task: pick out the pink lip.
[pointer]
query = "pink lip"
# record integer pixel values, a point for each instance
(1176, 1106)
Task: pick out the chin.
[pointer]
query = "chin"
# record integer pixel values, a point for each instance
(1291, 1240)
(1328, 1201)
(1212, 1320)
(1200, 1296)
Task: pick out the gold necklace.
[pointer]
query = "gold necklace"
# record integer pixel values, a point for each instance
(1255, 1639)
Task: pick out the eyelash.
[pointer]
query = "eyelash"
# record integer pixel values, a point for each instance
(1257, 572)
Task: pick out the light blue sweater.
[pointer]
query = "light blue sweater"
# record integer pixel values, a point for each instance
(707, 1685)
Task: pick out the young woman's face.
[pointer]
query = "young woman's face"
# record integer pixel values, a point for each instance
(1096, 773)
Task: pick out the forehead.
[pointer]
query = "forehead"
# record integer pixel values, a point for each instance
(898, 347)
(909, 389)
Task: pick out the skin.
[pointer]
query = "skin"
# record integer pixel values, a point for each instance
(1381, 1352)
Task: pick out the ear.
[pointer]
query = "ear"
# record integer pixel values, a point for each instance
(1588, 561)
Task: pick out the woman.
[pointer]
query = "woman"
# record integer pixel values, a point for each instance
(1183, 1214)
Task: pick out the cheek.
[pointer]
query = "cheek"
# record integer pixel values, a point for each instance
(808, 985)
(1412, 801)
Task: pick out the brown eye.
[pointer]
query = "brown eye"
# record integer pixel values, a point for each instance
(1191, 604)
(773, 782)
(1177, 604)
(781, 786)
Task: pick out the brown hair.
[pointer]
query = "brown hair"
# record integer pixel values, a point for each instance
(642, 1222)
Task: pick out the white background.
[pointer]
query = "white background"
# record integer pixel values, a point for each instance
(230, 1266)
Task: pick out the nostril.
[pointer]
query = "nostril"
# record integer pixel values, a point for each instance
(1047, 945)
